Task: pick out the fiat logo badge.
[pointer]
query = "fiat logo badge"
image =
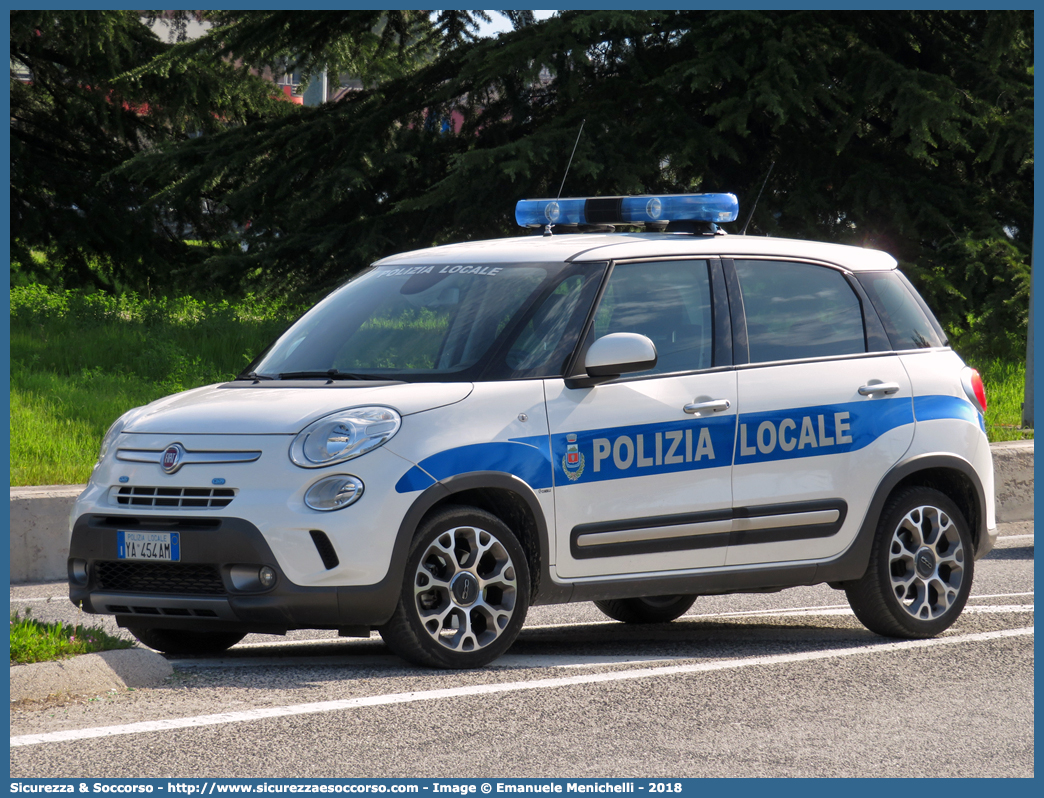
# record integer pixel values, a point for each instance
(172, 456)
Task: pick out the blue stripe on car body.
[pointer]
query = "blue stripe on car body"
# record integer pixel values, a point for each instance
(687, 445)
(526, 458)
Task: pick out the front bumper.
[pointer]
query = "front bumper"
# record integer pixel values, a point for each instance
(205, 590)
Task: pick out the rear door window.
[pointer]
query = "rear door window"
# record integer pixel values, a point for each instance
(796, 311)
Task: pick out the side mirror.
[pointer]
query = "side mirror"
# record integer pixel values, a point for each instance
(619, 353)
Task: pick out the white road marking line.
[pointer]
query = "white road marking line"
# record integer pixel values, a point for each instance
(508, 661)
(319, 641)
(567, 661)
(988, 609)
(147, 727)
(846, 610)
(1003, 538)
(796, 612)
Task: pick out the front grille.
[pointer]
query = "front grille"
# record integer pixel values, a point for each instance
(171, 498)
(148, 577)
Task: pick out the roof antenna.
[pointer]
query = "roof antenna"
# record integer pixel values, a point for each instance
(547, 228)
(743, 232)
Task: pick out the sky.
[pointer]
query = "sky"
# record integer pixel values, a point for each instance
(500, 23)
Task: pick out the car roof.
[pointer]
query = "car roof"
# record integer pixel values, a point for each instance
(586, 247)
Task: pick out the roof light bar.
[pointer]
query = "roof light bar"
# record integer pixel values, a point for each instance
(661, 208)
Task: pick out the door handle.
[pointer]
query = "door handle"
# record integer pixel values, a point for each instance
(714, 406)
(887, 388)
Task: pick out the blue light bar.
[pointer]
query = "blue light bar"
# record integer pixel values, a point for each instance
(715, 208)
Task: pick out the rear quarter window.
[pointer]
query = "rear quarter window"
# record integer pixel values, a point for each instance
(907, 320)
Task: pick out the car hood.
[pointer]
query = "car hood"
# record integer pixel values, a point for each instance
(233, 409)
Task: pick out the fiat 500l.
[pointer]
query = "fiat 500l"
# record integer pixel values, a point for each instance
(633, 419)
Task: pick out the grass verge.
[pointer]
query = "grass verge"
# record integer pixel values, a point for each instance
(36, 641)
(1005, 384)
(79, 361)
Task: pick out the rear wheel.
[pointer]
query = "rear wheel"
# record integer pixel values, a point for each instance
(465, 593)
(920, 571)
(182, 641)
(651, 609)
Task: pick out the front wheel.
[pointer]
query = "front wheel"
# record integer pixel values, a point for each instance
(920, 571)
(185, 642)
(465, 593)
(651, 609)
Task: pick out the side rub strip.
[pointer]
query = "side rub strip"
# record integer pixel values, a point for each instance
(743, 526)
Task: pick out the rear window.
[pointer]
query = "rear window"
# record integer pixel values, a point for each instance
(907, 320)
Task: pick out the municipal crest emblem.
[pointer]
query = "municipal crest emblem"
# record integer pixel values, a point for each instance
(573, 461)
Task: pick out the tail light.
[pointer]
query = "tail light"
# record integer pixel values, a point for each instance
(974, 388)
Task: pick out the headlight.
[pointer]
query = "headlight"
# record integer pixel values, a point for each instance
(113, 433)
(344, 435)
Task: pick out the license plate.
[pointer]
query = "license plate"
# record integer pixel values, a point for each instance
(157, 546)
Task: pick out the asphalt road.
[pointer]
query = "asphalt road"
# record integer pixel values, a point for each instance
(785, 684)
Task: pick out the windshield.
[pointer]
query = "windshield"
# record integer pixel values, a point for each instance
(440, 322)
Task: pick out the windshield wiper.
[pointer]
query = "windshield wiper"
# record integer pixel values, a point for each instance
(253, 375)
(330, 374)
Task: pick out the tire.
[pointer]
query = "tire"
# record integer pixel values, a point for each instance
(182, 641)
(653, 609)
(921, 567)
(465, 592)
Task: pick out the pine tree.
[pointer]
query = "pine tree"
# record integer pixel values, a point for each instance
(78, 111)
(906, 131)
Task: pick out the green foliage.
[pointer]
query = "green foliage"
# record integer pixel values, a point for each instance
(371, 45)
(80, 360)
(906, 131)
(1005, 383)
(979, 288)
(36, 641)
(57, 422)
(78, 111)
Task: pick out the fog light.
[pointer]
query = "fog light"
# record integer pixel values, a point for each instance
(334, 492)
(266, 576)
(78, 571)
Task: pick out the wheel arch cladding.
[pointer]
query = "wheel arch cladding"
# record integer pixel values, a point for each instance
(952, 476)
(955, 484)
(510, 500)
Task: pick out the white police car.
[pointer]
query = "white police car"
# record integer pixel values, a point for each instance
(631, 419)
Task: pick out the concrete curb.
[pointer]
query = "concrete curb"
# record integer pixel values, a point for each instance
(1013, 480)
(40, 532)
(89, 674)
(40, 515)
